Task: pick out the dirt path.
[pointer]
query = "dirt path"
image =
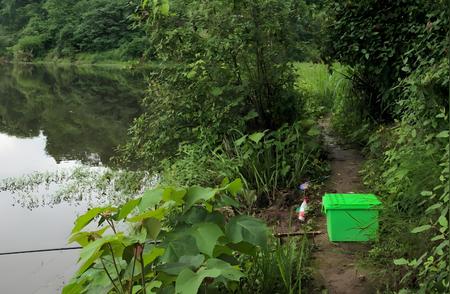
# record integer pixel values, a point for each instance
(337, 271)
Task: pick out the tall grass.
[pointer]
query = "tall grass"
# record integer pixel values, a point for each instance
(277, 160)
(321, 85)
(282, 268)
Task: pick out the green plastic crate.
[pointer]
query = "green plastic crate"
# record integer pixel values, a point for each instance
(351, 217)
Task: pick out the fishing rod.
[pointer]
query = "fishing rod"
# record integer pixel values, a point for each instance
(40, 250)
(59, 249)
(151, 242)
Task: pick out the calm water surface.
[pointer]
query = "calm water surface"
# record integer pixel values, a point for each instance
(54, 119)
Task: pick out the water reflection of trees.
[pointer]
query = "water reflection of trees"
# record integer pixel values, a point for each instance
(83, 112)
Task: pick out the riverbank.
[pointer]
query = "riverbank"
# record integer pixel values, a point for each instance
(113, 64)
(88, 60)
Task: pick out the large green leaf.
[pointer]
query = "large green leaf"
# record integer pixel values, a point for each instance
(244, 247)
(256, 137)
(227, 270)
(176, 195)
(194, 215)
(188, 281)
(139, 235)
(82, 238)
(196, 194)
(92, 251)
(248, 229)
(86, 262)
(151, 254)
(193, 261)
(156, 214)
(151, 198)
(206, 236)
(149, 287)
(175, 249)
(225, 200)
(235, 187)
(74, 287)
(125, 210)
(188, 261)
(153, 227)
(85, 219)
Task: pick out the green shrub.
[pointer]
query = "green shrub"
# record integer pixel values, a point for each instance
(29, 47)
(384, 42)
(267, 162)
(5, 42)
(397, 52)
(137, 47)
(179, 241)
(228, 67)
(272, 161)
(196, 164)
(409, 170)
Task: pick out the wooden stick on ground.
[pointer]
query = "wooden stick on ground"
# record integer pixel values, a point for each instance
(313, 233)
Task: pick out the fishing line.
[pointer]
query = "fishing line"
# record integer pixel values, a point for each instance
(40, 250)
(61, 249)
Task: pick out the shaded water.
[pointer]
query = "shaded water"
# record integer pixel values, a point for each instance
(52, 119)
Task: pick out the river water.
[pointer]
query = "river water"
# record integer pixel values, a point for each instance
(54, 119)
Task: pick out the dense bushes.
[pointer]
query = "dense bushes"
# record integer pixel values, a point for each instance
(229, 101)
(398, 53)
(409, 167)
(29, 47)
(180, 242)
(184, 240)
(384, 41)
(267, 162)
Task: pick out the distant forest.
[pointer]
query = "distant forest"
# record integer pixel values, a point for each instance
(63, 29)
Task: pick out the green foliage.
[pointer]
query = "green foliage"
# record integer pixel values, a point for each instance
(384, 41)
(412, 175)
(29, 47)
(179, 241)
(53, 29)
(281, 268)
(272, 161)
(322, 86)
(232, 61)
(268, 162)
(399, 69)
(102, 26)
(197, 164)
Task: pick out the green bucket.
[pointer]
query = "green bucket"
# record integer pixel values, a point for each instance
(351, 217)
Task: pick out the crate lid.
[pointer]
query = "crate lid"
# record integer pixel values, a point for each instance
(350, 201)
